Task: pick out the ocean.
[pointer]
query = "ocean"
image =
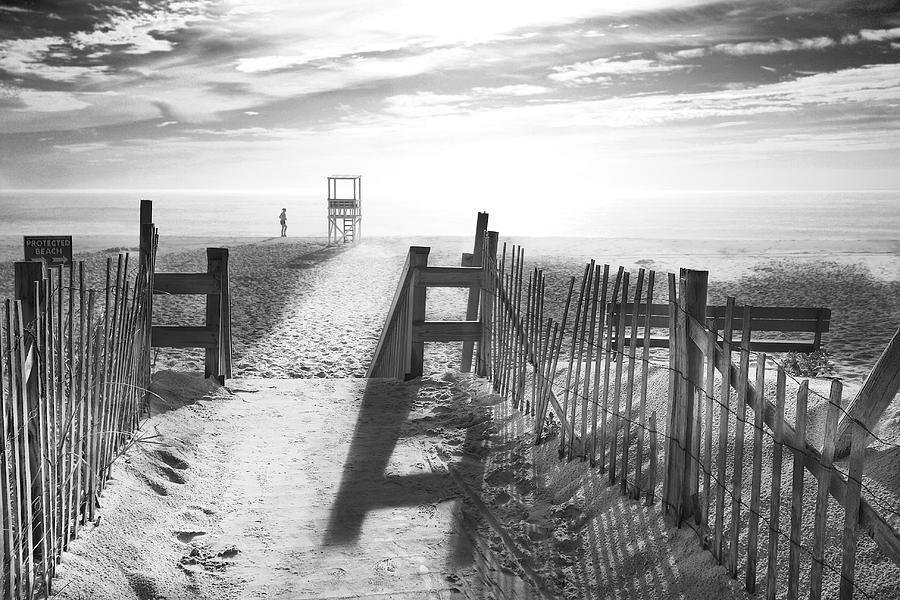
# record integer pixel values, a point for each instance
(768, 215)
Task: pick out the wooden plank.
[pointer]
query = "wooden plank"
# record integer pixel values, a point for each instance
(217, 261)
(601, 348)
(737, 478)
(418, 258)
(475, 259)
(775, 497)
(185, 284)
(629, 394)
(450, 277)
(759, 409)
(710, 355)
(821, 517)
(586, 390)
(651, 487)
(488, 295)
(670, 406)
(876, 393)
(773, 312)
(642, 406)
(858, 439)
(777, 316)
(755, 345)
(724, 411)
(446, 331)
(165, 336)
(617, 386)
(799, 442)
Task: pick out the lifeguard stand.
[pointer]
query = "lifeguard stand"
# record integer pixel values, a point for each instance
(344, 213)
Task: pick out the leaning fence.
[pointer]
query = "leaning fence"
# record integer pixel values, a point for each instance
(589, 380)
(75, 367)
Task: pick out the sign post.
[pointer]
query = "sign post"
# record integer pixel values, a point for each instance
(51, 248)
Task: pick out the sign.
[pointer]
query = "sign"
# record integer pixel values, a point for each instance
(52, 248)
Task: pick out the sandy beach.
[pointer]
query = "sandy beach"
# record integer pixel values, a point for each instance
(302, 310)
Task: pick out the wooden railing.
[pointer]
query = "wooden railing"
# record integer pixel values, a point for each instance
(783, 320)
(400, 351)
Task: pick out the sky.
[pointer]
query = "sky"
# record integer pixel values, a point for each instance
(450, 101)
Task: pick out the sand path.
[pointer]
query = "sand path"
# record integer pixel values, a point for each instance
(295, 489)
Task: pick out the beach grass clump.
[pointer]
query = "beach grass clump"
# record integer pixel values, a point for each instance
(809, 364)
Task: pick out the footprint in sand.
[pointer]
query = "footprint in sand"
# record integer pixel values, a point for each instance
(168, 457)
(186, 536)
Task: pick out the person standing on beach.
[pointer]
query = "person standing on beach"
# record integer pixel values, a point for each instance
(283, 218)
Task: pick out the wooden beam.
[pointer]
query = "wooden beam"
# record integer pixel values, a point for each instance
(166, 336)
(887, 539)
(418, 260)
(186, 283)
(467, 277)
(876, 393)
(446, 331)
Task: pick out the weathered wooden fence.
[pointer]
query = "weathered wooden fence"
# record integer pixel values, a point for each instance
(75, 368)
(75, 374)
(583, 378)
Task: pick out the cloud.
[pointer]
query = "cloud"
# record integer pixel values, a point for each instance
(765, 47)
(26, 57)
(81, 148)
(601, 69)
(138, 31)
(512, 90)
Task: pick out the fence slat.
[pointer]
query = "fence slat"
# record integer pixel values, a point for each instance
(651, 487)
(629, 395)
(821, 516)
(797, 445)
(569, 371)
(617, 397)
(858, 439)
(607, 354)
(724, 411)
(586, 390)
(759, 409)
(737, 478)
(775, 497)
(710, 351)
(642, 407)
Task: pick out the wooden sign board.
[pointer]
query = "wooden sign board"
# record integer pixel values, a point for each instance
(52, 248)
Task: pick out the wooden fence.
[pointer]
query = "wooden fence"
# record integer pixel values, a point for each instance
(75, 369)
(583, 379)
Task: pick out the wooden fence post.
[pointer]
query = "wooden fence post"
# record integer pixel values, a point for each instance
(489, 262)
(217, 264)
(877, 392)
(418, 260)
(682, 469)
(145, 266)
(472, 306)
(26, 275)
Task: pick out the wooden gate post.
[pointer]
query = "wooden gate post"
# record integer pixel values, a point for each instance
(418, 260)
(476, 260)
(487, 304)
(217, 264)
(682, 470)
